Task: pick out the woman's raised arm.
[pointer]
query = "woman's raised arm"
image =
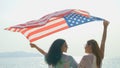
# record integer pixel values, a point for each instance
(102, 46)
(39, 49)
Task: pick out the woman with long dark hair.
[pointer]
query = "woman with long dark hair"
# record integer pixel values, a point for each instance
(95, 55)
(55, 57)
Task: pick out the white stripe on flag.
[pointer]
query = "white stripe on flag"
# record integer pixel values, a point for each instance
(47, 31)
(47, 24)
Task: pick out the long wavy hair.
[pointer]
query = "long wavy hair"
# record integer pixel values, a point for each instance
(95, 51)
(55, 53)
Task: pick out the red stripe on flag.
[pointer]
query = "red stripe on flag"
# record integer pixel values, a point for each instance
(15, 30)
(53, 18)
(39, 37)
(27, 29)
(45, 28)
(82, 12)
(19, 30)
(24, 30)
(9, 28)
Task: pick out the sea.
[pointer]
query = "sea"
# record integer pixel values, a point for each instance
(38, 62)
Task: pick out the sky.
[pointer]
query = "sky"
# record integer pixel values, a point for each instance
(14, 12)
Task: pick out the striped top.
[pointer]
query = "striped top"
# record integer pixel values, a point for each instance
(66, 62)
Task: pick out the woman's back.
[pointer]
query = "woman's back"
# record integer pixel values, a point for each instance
(88, 61)
(66, 62)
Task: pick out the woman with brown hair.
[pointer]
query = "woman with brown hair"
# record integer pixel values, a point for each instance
(95, 55)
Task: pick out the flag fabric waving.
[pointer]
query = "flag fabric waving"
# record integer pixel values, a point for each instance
(52, 23)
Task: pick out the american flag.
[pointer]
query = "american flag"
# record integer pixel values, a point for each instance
(52, 23)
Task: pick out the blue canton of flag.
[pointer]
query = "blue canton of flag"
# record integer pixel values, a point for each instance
(74, 19)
